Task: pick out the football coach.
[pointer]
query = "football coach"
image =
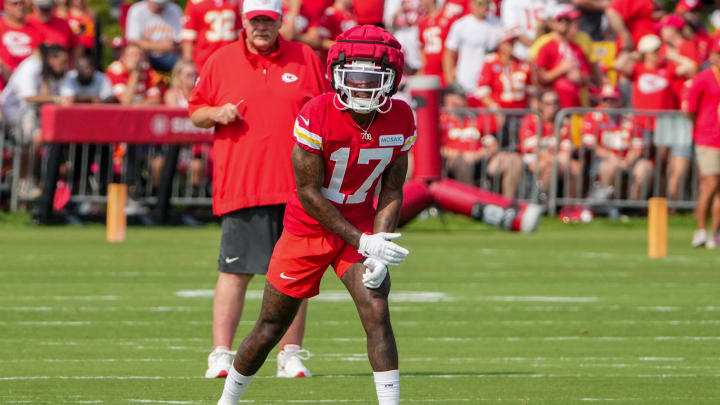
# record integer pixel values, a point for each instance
(251, 92)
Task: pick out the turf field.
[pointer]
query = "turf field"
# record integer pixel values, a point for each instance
(573, 314)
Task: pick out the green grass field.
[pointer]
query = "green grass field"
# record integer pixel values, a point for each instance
(572, 314)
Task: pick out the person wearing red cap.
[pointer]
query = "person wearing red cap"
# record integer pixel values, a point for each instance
(617, 147)
(702, 105)
(251, 92)
(694, 29)
(562, 64)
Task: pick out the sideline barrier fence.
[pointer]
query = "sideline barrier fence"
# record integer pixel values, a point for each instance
(90, 146)
(666, 157)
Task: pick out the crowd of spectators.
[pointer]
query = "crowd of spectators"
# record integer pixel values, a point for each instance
(493, 54)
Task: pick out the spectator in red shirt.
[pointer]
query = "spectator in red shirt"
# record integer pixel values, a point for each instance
(433, 30)
(81, 20)
(702, 106)
(538, 152)
(299, 25)
(694, 29)
(18, 39)
(505, 81)
(132, 78)
(470, 149)
(617, 146)
(338, 18)
(631, 20)
(251, 92)
(55, 30)
(562, 64)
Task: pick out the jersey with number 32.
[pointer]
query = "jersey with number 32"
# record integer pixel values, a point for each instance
(353, 165)
(210, 24)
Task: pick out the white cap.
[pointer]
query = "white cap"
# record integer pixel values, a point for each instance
(649, 43)
(268, 8)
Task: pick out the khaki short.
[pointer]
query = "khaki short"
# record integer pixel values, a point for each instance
(708, 160)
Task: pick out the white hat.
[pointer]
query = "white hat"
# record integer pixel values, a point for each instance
(268, 8)
(649, 43)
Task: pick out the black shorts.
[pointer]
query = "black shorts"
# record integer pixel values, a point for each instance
(248, 238)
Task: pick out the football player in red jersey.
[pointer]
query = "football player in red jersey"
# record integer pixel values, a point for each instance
(618, 145)
(345, 143)
(208, 25)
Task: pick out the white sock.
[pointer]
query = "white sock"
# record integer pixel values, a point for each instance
(387, 385)
(235, 386)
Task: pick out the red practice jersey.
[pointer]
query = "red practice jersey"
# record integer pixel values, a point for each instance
(507, 85)
(703, 99)
(465, 133)
(618, 136)
(353, 165)
(119, 76)
(552, 54)
(16, 44)
(433, 29)
(55, 32)
(210, 25)
(528, 136)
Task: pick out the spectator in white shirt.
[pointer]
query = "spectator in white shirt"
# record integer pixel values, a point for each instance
(469, 40)
(85, 84)
(524, 16)
(36, 81)
(155, 25)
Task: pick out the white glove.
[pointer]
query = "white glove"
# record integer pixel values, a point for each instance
(375, 273)
(378, 246)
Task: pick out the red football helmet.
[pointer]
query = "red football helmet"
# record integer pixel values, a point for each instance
(365, 66)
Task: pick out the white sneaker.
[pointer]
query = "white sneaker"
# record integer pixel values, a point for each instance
(699, 238)
(713, 241)
(219, 363)
(289, 362)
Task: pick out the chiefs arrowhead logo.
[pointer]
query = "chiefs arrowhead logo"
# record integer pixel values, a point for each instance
(650, 83)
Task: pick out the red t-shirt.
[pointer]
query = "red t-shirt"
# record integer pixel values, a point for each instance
(210, 25)
(652, 88)
(303, 21)
(465, 133)
(637, 15)
(507, 85)
(528, 136)
(551, 55)
(16, 44)
(252, 155)
(353, 165)
(617, 136)
(118, 76)
(55, 32)
(703, 99)
(369, 11)
(433, 30)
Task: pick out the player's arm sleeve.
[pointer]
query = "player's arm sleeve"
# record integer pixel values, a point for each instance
(189, 24)
(452, 42)
(411, 134)
(133, 30)
(306, 131)
(510, 14)
(105, 88)
(691, 103)
(203, 94)
(67, 87)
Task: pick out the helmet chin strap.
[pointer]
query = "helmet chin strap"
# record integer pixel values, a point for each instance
(343, 106)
